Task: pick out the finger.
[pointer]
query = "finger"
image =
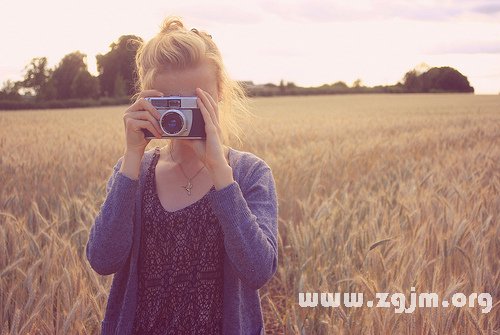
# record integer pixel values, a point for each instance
(143, 104)
(206, 102)
(144, 115)
(137, 124)
(214, 104)
(132, 118)
(150, 108)
(209, 124)
(204, 112)
(143, 124)
(141, 107)
(209, 98)
(214, 112)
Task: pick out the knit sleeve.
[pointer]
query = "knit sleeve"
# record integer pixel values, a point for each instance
(110, 237)
(248, 214)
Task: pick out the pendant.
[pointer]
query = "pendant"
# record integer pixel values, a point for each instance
(188, 187)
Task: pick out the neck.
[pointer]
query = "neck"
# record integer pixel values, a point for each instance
(182, 153)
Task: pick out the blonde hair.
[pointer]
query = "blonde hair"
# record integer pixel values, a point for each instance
(177, 48)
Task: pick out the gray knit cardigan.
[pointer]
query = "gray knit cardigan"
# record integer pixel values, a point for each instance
(247, 211)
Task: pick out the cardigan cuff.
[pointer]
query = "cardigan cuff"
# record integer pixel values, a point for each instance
(127, 189)
(225, 194)
(125, 181)
(229, 204)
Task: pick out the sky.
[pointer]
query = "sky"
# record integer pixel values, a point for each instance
(308, 42)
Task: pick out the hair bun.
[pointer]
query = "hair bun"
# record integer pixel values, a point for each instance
(172, 24)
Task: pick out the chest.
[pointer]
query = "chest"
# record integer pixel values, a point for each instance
(171, 187)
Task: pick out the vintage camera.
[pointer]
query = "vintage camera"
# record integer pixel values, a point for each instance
(180, 118)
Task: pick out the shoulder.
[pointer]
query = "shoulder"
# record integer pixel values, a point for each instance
(248, 167)
(246, 161)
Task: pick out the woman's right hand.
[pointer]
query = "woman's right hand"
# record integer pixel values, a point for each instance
(141, 115)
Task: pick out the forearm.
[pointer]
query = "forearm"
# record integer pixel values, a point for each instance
(131, 164)
(250, 244)
(110, 236)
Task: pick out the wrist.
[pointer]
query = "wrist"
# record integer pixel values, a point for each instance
(131, 164)
(222, 175)
(133, 153)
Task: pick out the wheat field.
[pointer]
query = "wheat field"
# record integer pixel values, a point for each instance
(377, 193)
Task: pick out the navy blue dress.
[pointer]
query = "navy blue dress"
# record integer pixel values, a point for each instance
(180, 267)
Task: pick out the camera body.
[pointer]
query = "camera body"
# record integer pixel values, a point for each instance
(180, 118)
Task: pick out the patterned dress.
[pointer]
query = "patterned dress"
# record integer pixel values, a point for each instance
(180, 267)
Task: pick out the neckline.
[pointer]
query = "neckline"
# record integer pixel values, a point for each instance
(155, 191)
(183, 209)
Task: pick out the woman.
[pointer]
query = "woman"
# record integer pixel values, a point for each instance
(189, 230)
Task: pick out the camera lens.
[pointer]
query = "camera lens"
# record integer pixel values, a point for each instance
(172, 122)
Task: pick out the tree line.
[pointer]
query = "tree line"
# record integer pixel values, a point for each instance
(421, 79)
(70, 83)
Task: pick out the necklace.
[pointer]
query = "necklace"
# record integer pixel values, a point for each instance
(188, 186)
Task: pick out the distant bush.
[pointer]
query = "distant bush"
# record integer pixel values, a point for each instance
(269, 91)
(437, 80)
(68, 103)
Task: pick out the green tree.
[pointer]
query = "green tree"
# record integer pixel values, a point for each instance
(445, 79)
(48, 91)
(282, 86)
(64, 74)
(340, 85)
(436, 79)
(120, 86)
(117, 67)
(357, 83)
(85, 85)
(37, 75)
(10, 90)
(71, 79)
(412, 81)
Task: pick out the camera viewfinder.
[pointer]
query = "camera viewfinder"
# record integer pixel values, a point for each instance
(175, 103)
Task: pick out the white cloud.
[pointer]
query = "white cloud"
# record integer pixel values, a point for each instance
(335, 11)
(467, 47)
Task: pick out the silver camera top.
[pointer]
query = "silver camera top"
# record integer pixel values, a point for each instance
(173, 102)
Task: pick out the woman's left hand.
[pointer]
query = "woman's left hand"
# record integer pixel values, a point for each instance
(211, 150)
